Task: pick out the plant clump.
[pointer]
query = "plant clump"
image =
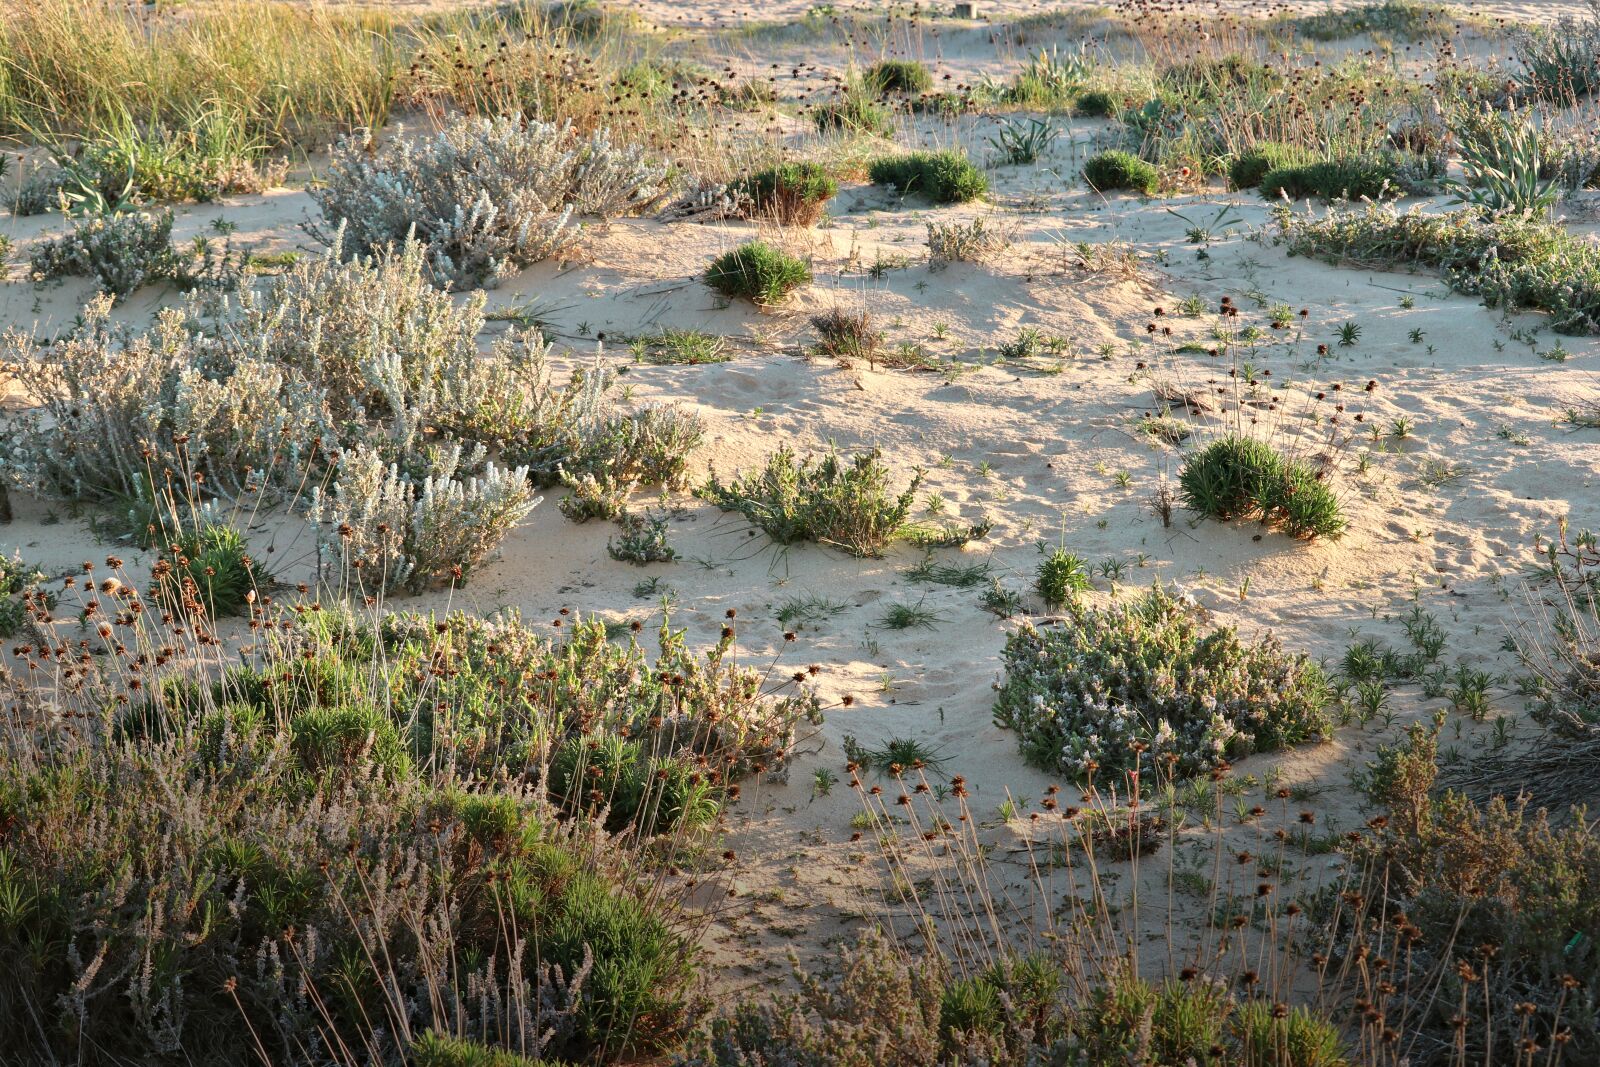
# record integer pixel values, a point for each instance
(847, 504)
(945, 177)
(1017, 1010)
(1241, 478)
(898, 76)
(1247, 169)
(428, 820)
(1117, 169)
(1081, 694)
(359, 369)
(1356, 178)
(757, 272)
(1509, 261)
(484, 196)
(792, 194)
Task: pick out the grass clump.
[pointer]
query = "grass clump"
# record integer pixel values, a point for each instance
(1117, 169)
(848, 335)
(847, 504)
(1079, 694)
(681, 347)
(1509, 261)
(1240, 477)
(945, 177)
(1357, 178)
(852, 112)
(1247, 169)
(792, 194)
(758, 272)
(898, 76)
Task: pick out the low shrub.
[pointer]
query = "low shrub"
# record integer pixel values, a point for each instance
(1252, 165)
(945, 177)
(1081, 693)
(124, 252)
(1117, 169)
(1509, 261)
(1241, 478)
(758, 272)
(1361, 178)
(379, 529)
(349, 832)
(332, 356)
(846, 504)
(1491, 907)
(898, 76)
(484, 196)
(792, 194)
(19, 589)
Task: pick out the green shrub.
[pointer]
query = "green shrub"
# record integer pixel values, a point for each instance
(898, 76)
(1249, 167)
(19, 593)
(319, 808)
(1500, 903)
(793, 194)
(1148, 670)
(758, 272)
(845, 504)
(1364, 178)
(208, 572)
(1121, 170)
(1061, 577)
(945, 177)
(1508, 261)
(1241, 478)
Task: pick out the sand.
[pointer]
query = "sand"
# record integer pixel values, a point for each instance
(1445, 519)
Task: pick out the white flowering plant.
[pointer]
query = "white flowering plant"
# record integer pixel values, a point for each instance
(1147, 682)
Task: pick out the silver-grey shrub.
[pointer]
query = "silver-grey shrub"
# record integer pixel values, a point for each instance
(360, 364)
(487, 196)
(382, 530)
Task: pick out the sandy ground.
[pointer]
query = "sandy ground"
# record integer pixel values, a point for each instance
(1444, 519)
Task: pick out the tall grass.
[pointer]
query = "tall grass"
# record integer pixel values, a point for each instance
(69, 67)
